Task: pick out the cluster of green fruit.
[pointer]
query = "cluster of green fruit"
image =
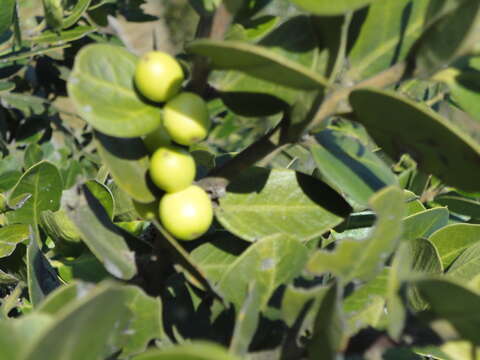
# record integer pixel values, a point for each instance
(185, 210)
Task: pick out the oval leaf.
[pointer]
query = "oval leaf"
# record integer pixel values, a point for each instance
(257, 61)
(10, 236)
(401, 126)
(102, 89)
(329, 7)
(193, 351)
(263, 202)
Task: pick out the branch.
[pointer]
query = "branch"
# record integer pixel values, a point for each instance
(330, 105)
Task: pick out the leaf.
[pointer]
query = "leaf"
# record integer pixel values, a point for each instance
(401, 126)
(32, 155)
(466, 266)
(127, 161)
(452, 36)
(10, 236)
(103, 238)
(364, 259)
(401, 21)
(41, 186)
(79, 9)
(42, 279)
(103, 195)
(424, 223)
(453, 239)
(54, 37)
(459, 204)
(6, 85)
(261, 202)
(257, 61)
(271, 261)
(82, 339)
(215, 256)
(350, 165)
(6, 16)
(246, 321)
(197, 350)
(329, 327)
(63, 296)
(328, 7)
(438, 293)
(101, 87)
(366, 305)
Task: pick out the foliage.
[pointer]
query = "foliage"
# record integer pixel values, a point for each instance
(343, 163)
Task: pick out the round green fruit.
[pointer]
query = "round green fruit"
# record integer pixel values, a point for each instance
(157, 138)
(186, 214)
(172, 168)
(158, 76)
(186, 118)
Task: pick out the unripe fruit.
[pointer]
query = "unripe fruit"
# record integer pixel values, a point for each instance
(157, 138)
(158, 76)
(186, 119)
(172, 168)
(186, 214)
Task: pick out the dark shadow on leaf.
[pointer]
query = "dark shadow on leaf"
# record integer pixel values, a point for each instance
(252, 104)
(406, 15)
(294, 35)
(251, 180)
(327, 140)
(323, 195)
(124, 148)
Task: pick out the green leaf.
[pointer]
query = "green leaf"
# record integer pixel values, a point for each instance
(346, 162)
(127, 161)
(10, 236)
(452, 36)
(39, 189)
(85, 267)
(402, 126)
(54, 37)
(467, 266)
(438, 294)
(452, 240)
(246, 321)
(42, 279)
(79, 9)
(6, 16)
(103, 238)
(197, 350)
(363, 259)
(104, 196)
(328, 7)
(215, 256)
(271, 261)
(53, 10)
(401, 21)
(32, 155)
(6, 86)
(63, 296)
(102, 89)
(261, 202)
(146, 323)
(257, 61)
(459, 204)
(329, 327)
(366, 305)
(425, 223)
(82, 338)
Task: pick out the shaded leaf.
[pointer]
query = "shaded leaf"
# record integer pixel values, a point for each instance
(6, 16)
(193, 351)
(327, 7)
(10, 236)
(424, 223)
(401, 126)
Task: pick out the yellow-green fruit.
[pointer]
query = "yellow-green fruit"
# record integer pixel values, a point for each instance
(186, 119)
(146, 211)
(157, 138)
(186, 214)
(158, 76)
(172, 168)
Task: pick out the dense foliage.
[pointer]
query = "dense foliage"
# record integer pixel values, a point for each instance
(343, 164)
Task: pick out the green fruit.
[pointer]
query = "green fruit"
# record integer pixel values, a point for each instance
(158, 76)
(186, 118)
(157, 138)
(146, 211)
(172, 168)
(186, 214)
